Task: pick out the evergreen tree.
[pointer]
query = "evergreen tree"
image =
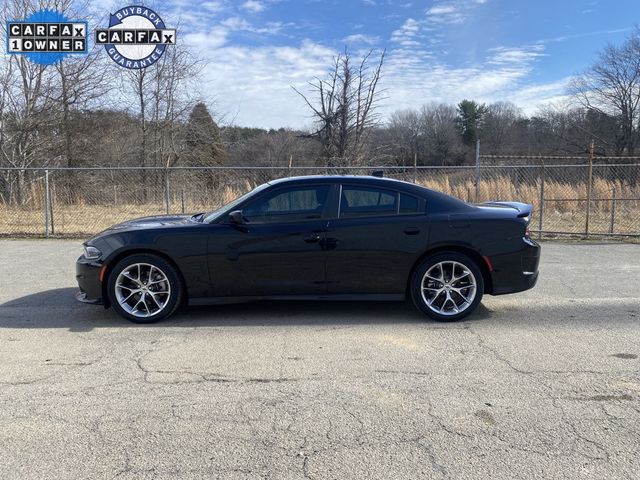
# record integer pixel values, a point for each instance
(469, 120)
(203, 142)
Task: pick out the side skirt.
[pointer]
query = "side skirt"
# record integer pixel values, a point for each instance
(369, 297)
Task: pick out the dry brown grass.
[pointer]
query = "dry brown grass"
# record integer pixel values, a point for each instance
(82, 219)
(503, 188)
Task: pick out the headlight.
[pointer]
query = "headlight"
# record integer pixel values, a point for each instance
(91, 253)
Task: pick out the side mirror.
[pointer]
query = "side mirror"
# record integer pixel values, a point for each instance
(236, 217)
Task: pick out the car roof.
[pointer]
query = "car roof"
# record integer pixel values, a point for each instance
(353, 179)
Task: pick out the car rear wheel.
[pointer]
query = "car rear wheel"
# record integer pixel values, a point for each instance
(144, 288)
(447, 287)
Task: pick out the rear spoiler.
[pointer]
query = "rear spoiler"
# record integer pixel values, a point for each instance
(524, 209)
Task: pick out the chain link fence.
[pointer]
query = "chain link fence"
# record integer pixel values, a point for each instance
(571, 195)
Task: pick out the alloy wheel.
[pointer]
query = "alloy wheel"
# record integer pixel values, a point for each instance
(448, 288)
(142, 290)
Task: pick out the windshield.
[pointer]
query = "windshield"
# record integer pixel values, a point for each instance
(211, 216)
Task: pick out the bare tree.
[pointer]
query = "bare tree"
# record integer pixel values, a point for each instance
(612, 86)
(443, 144)
(163, 98)
(498, 127)
(345, 108)
(427, 135)
(405, 136)
(274, 148)
(27, 108)
(562, 129)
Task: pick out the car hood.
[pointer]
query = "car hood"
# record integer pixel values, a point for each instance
(146, 223)
(152, 222)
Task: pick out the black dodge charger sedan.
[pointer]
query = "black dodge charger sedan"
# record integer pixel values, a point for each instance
(316, 237)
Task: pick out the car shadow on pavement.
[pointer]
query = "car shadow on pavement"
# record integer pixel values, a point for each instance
(58, 308)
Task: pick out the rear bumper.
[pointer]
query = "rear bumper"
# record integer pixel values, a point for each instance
(88, 278)
(517, 271)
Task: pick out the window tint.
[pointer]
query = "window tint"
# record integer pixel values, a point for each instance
(286, 205)
(367, 201)
(409, 204)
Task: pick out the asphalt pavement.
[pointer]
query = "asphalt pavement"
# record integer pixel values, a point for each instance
(543, 384)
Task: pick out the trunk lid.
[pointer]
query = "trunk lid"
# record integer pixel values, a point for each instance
(522, 210)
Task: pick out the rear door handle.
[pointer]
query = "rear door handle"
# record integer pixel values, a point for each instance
(313, 237)
(412, 231)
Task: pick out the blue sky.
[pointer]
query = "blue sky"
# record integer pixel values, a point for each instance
(437, 50)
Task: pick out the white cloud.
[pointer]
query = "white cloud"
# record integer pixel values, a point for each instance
(240, 24)
(414, 76)
(575, 36)
(206, 41)
(442, 10)
(253, 84)
(448, 13)
(515, 55)
(531, 98)
(235, 23)
(213, 6)
(407, 30)
(361, 38)
(254, 6)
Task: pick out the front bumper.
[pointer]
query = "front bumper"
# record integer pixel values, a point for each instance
(82, 297)
(88, 278)
(517, 271)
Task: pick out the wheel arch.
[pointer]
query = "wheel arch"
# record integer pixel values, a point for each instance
(136, 251)
(469, 252)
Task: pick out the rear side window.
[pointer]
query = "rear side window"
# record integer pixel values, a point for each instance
(409, 204)
(367, 201)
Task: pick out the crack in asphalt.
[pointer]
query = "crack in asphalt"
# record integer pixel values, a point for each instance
(553, 399)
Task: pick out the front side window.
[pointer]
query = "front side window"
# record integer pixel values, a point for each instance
(302, 203)
(367, 201)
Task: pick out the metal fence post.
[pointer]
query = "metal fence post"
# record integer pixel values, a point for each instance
(541, 219)
(52, 194)
(477, 169)
(46, 203)
(166, 191)
(589, 182)
(415, 167)
(613, 210)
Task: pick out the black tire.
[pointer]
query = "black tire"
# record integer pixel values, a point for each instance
(170, 302)
(416, 287)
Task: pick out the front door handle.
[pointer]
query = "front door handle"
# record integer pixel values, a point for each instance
(412, 231)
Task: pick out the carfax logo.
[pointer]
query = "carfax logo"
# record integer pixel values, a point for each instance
(46, 37)
(136, 38)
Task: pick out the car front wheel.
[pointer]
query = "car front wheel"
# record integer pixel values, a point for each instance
(447, 287)
(144, 288)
